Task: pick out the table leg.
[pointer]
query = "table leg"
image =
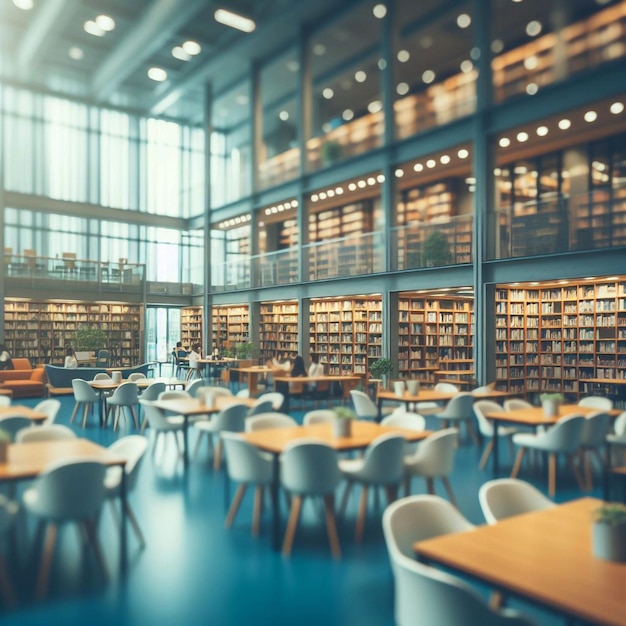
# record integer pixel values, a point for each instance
(275, 504)
(496, 450)
(123, 529)
(101, 408)
(379, 402)
(185, 441)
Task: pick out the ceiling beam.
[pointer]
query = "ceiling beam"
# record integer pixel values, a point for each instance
(46, 23)
(148, 35)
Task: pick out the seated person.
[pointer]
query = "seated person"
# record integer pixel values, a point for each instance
(194, 355)
(315, 369)
(216, 353)
(5, 358)
(70, 359)
(297, 369)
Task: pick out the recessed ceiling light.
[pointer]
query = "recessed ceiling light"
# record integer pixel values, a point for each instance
(348, 114)
(92, 28)
(351, 187)
(532, 89)
(418, 167)
(428, 76)
(616, 108)
(379, 11)
(382, 64)
(402, 89)
(399, 173)
(330, 193)
(504, 142)
(158, 74)
(179, 53)
(590, 116)
(444, 159)
(531, 62)
(533, 28)
(463, 20)
(25, 5)
(380, 178)
(403, 56)
(497, 45)
(327, 93)
(542, 131)
(522, 136)
(361, 184)
(284, 115)
(360, 76)
(319, 49)
(192, 47)
(463, 153)
(76, 53)
(375, 106)
(322, 195)
(371, 181)
(431, 163)
(466, 66)
(106, 23)
(293, 66)
(564, 124)
(338, 190)
(234, 20)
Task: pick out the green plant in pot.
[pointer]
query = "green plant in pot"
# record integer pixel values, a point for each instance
(5, 440)
(244, 350)
(342, 424)
(382, 368)
(551, 403)
(436, 250)
(89, 339)
(609, 532)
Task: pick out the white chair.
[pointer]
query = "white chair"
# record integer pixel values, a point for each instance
(174, 394)
(430, 408)
(562, 438)
(125, 397)
(309, 468)
(515, 404)
(505, 497)
(618, 437)
(151, 393)
(8, 514)
(161, 424)
(231, 419)
(5, 401)
(596, 402)
(194, 387)
(364, 407)
(459, 410)
(45, 432)
(132, 448)
(434, 458)
(481, 408)
(50, 407)
(246, 465)
(382, 465)
(263, 421)
(214, 389)
(243, 393)
(592, 440)
(102, 376)
(410, 421)
(275, 397)
(318, 416)
(12, 424)
(67, 491)
(418, 518)
(135, 376)
(477, 391)
(261, 406)
(84, 396)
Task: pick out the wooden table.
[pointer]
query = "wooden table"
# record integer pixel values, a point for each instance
(193, 407)
(545, 557)
(275, 440)
(309, 379)
(213, 362)
(27, 460)
(533, 417)
(23, 411)
(6, 392)
(252, 374)
(431, 395)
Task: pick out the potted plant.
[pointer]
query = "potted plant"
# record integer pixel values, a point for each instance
(244, 350)
(89, 339)
(551, 402)
(342, 424)
(436, 250)
(5, 440)
(382, 368)
(609, 532)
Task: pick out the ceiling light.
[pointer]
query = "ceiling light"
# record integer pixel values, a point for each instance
(293, 66)
(431, 163)
(428, 76)
(444, 159)
(330, 193)
(418, 167)
(402, 89)
(463, 20)
(284, 115)
(319, 49)
(92, 28)
(504, 142)
(322, 195)
(338, 190)
(239, 22)
(531, 62)
(294, 204)
(347, 115)
(399, 173)
(158, 74)
(351, 187)
(326, 127)
(328, 93)
(403, 56)
(466, 66)
(463, 153)
(616, 108)
(360, 76)
(475, 53)
(382, 64)
(542, 131)
(314, 198)
(532, 89)
(590, 116)
(564, 124)
(380, 178)
(470, 180)
(379, 11)
(533, 28)
(192, 47)
(497, 171)
(179, 53)
(106, 23)
(361, 184)
(522, 136)
(25, 5)
(76, 53)
(375, 106)
(371, 181)
(497, 45)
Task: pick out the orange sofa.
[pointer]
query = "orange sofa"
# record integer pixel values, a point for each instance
(23, 380)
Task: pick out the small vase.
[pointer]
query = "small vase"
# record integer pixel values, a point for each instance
(116, 377)
(550, 408)
(413, 387)
(609, 541)
(342, 427)
(384, 382)
(398, 387)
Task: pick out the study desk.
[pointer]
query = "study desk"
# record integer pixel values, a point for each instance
(252, 375)
(309, 379)
(543, 556)
(533, 417)
(275, 440)
(23, 411)
(194, 407)
(26, 461)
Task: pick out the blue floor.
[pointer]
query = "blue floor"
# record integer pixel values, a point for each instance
(194, 571)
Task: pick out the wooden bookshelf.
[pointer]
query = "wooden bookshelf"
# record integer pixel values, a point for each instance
(435, 333)
(279, 328)
(42, 331)
(346, 333)
(230, 325)
(552, 337)
(191, 326)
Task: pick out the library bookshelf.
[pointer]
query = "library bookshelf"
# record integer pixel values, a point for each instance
(191, 326)
(278, 329)
(230, 325)
(553, 336)
(42, 330)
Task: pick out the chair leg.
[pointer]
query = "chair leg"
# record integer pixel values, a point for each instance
(344, 500)
(430, 486)
(256, 510)
(90, 529)
(331, 526)
(234, 507)
(294, 515)
(135, 524)
(134, 414)
(518, 462)
(486, 453)
(552, 474)
(448, 486)
(85, 413)
(46, 560)
(472, 431)
(74, 412)
(217, 455)
(360, 520)
(197, 446)
(579, 478)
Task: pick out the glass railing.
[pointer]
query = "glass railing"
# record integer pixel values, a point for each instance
(276, 268)
(230, 276)
(432, 244)
(588, 221)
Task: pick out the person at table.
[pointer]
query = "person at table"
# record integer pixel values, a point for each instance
(6, 362)
(194, 355)
(215, 355)
(315, 369)
(70, 359)
(179, 351)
